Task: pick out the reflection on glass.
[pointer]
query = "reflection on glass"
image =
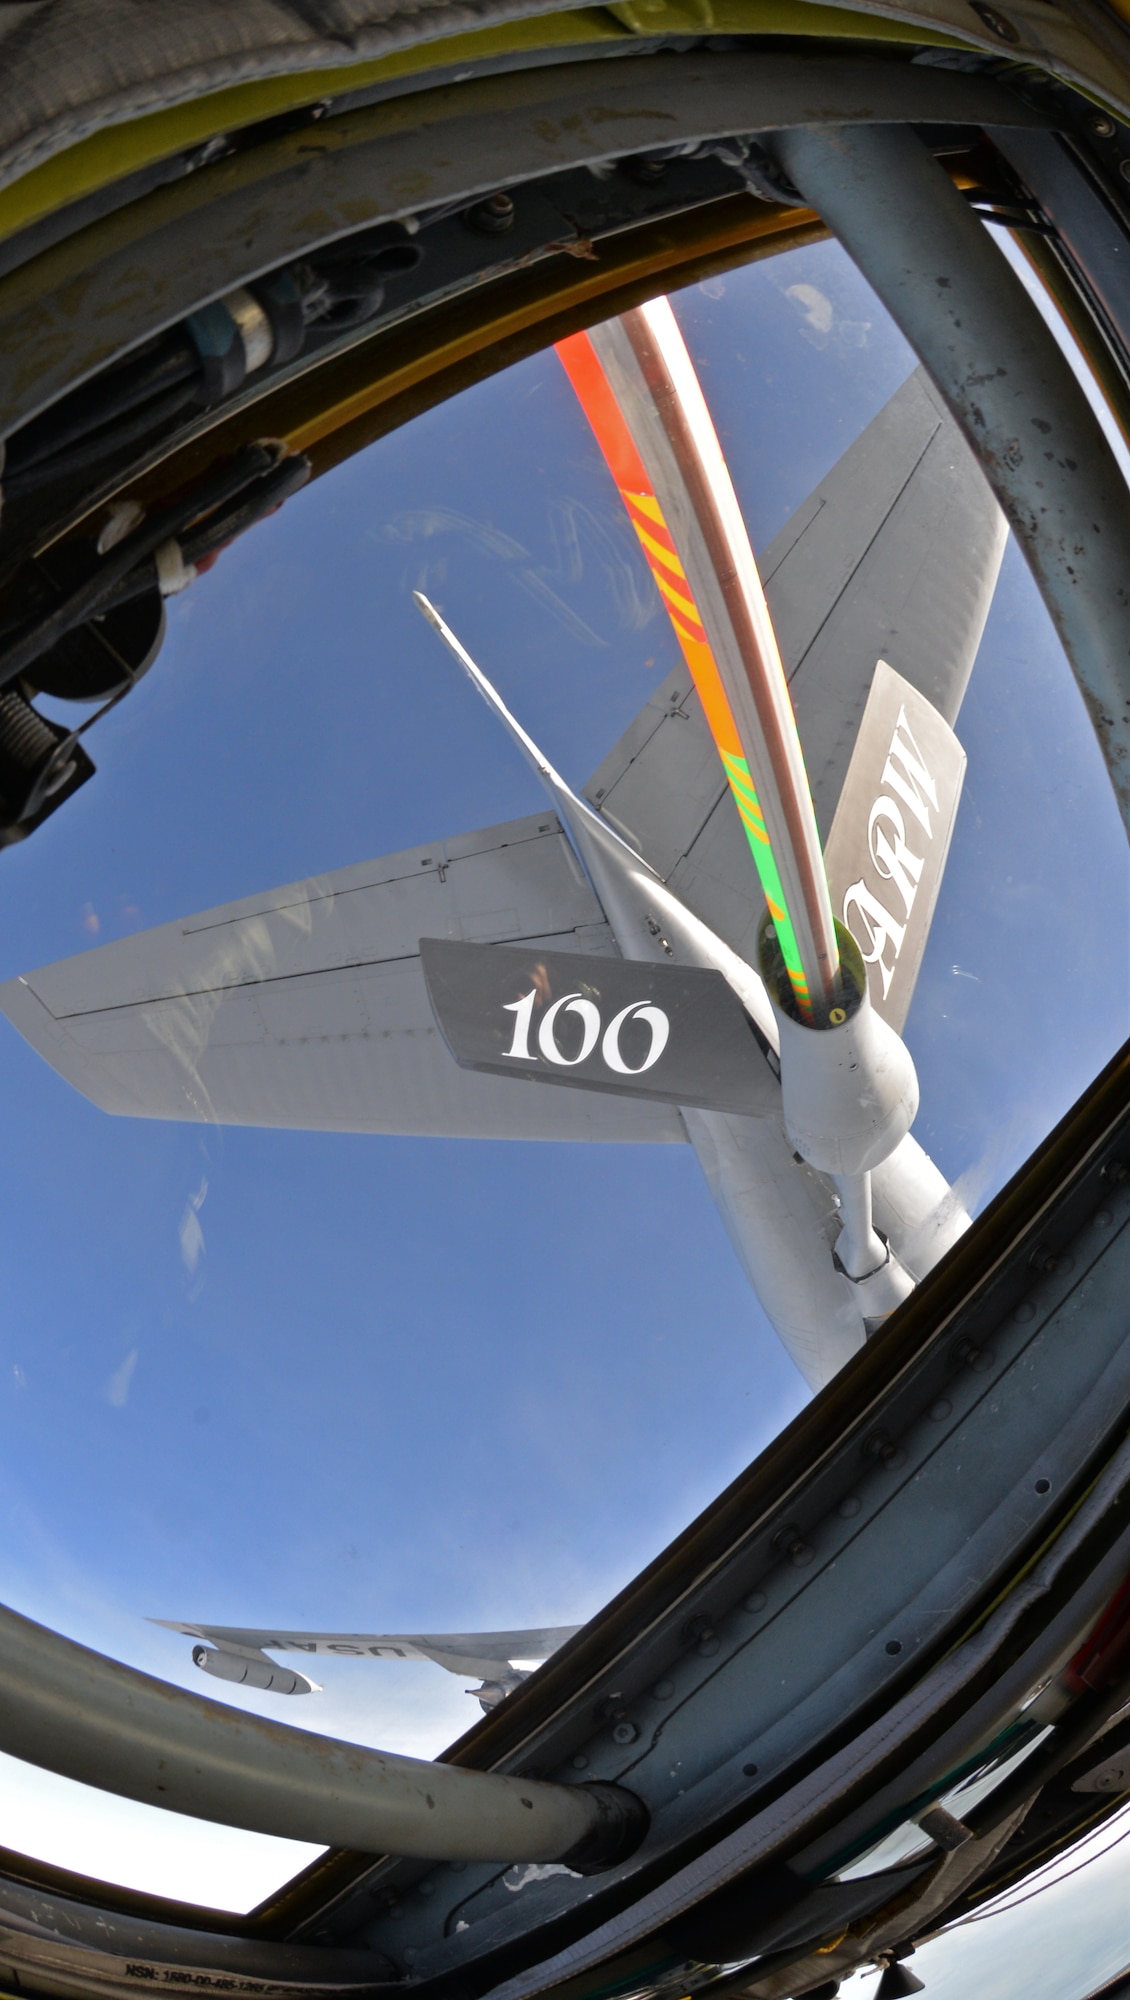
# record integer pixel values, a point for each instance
(291, 1380)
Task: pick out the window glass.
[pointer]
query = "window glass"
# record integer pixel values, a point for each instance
(330, 1381)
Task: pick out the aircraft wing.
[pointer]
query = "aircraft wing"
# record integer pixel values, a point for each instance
(895, 557)
(460, 1652)
(306, 1007)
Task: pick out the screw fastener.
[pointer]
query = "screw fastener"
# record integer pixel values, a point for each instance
(492, 217)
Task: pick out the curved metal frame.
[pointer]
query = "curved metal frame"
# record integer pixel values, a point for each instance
(1039, 442)
(167, 255)
(783, 1792)
(169, 59)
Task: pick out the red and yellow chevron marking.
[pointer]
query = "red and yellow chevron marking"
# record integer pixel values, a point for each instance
(610, 429)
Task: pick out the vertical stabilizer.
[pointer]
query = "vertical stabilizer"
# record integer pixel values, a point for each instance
(647, 920)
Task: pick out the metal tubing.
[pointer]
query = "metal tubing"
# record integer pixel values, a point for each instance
(733, 652)
(857, 1246)
(1007, 383)
(74, 1711)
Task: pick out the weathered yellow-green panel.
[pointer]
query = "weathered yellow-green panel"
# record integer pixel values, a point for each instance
(769, 17)
(118, 150)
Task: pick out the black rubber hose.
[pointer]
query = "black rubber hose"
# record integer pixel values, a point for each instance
(268, 493)
(212, 492)
(174, 365)
(99, 444)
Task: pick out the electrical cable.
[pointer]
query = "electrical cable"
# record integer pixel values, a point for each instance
(215, 531)
(999, 1909)
(90, 410)
(1046, 1868)
(95, 446)
(233, 478)
(288, 477)
(29, 744)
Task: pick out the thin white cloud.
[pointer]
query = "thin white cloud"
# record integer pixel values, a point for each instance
(117, 1388)
(191, 1234)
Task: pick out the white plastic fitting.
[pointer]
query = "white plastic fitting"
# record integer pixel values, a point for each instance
(849, 1089)
(879, 1281)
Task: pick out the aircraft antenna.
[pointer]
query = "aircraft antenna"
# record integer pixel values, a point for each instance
(538, 762)
(637, 385)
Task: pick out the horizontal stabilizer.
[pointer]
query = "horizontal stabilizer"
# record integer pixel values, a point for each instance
(887, 849)
(305, 1006)
(676, 1034)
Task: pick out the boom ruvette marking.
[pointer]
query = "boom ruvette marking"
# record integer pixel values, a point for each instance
(637, 385)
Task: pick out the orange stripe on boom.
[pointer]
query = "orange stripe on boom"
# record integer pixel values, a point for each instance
(579, 361)
(610, 429)
(590, 383)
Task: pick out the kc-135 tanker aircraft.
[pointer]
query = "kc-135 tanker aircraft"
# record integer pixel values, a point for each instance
(717, 944)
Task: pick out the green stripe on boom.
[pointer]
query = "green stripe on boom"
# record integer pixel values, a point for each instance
(746, 800)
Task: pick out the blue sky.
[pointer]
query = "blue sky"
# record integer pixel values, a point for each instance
(371, 1383)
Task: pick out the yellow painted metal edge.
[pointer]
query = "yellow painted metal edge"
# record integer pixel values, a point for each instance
(440, 349)
(743, 231)
(109, 155)
(122, 149)
(340, 403)
(774, 17)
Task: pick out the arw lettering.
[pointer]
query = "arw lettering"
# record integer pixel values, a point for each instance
(877, 914)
